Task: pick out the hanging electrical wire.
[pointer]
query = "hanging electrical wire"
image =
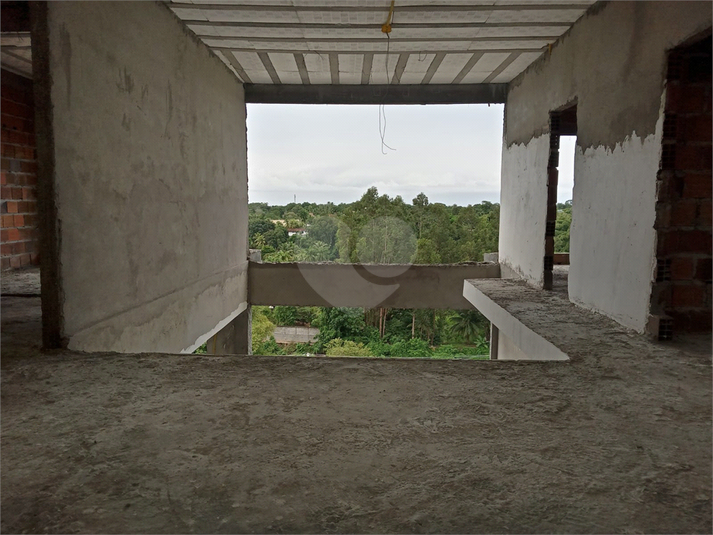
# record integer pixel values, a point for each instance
(386, 29)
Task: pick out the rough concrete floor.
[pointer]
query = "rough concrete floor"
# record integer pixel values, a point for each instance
(23, 282)
(157, 443)
(560, 276)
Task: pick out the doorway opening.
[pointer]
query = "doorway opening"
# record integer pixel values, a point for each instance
(563, 126)
(19, 213)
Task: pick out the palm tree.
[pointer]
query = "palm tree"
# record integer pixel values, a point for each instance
(467, 324)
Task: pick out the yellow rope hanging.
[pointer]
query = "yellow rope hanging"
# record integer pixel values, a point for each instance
(386, 27)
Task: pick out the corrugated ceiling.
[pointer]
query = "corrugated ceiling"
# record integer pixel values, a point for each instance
(16, 53)
(341, 42)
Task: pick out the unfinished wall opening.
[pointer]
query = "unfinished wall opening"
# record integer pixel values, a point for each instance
(681, 295)
(563, 126)
(19, 173)
(19, 237)
(334, 193)
(333, 153)
(18, 194)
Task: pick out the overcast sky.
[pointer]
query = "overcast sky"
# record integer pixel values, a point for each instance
(333, 153)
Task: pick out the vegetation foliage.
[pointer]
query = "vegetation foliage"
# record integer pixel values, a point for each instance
(380, 229)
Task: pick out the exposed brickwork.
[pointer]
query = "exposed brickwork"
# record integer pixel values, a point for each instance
(683, 212)
(18, 205)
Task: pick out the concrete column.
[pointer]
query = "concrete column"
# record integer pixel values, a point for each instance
(494, 336)
(235, 338)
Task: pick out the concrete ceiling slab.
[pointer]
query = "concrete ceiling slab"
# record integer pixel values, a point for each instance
(16, 53)
(340, 42)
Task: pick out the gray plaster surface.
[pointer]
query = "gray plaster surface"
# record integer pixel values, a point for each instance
(617, 441)
(612, 62)
(150, 177)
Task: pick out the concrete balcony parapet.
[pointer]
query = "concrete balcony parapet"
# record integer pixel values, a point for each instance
(364, 285)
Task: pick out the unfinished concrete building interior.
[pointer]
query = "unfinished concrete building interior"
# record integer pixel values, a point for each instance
(124, 176)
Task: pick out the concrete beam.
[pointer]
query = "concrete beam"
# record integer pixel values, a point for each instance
(524, 6)
(494, 336)
(376, 94)
(561, 259)
(359, 285)
(328, 25)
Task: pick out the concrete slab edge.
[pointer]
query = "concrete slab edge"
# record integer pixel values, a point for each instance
(538, 348)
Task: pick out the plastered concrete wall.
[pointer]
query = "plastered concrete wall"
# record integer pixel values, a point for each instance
(523, 208)
(612, 63)
(370, 286)
(612, 237)
(150, 177)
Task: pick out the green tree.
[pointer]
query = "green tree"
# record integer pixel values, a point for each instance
(346, 348)
(411, 348)
(262, 327)
(276, 237)
(386, 240)
(282, 255)
(259, 225)
(309, 250)
(345, 323)
(426, 252)
(324, 229)
(467, 324)
(420, 209)
(562, 226)
(268, 347)
(284, 316)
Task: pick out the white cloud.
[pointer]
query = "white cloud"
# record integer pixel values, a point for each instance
(319, 153)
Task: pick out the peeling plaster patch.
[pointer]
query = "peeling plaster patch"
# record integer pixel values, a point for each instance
(613, 240)
(615, 70)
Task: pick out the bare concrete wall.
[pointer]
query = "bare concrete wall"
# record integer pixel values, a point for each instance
(612, 62)
(150, 176)
(355, 285)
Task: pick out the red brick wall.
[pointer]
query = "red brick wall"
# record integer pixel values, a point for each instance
(684, 192)
(18, 207)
